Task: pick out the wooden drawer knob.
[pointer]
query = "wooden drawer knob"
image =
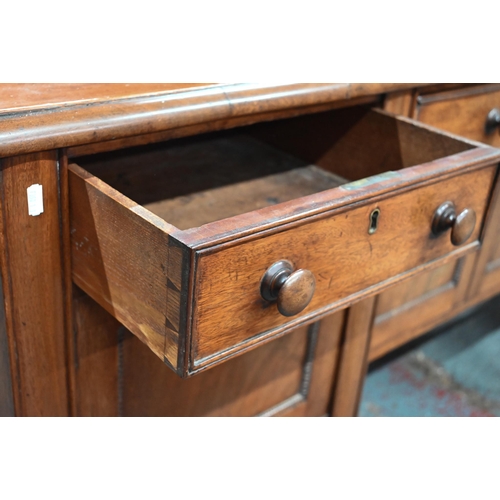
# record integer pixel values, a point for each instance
(291, 290)
(461, 225)
(492, 120)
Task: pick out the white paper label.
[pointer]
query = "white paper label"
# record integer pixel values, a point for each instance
(35, 199)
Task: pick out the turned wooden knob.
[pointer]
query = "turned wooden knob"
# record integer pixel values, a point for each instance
(492, 120)
(291, 290)
(461, 225)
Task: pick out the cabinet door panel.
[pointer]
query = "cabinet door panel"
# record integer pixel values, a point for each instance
(116, 374)
(413, 307)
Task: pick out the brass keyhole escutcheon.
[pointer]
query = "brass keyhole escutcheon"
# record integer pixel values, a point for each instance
(374, 217)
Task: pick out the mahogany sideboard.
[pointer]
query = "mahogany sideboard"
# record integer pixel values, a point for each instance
(235, 249)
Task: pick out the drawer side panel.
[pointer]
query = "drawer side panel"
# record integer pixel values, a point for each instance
(120, 258)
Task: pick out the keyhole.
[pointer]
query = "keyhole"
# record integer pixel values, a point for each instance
(374, 216)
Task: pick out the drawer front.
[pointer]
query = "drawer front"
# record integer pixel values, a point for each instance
(464, 112)
(192, 292)
(346, 261)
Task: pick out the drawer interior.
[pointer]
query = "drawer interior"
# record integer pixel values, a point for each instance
(198, 180)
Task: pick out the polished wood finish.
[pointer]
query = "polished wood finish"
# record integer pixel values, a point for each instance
(110, 119)
(217, 125)
(219, 265)
(34, 290)
(296, 292)
(347, 262)
(68, 355)
(30, 97)
(288, 374)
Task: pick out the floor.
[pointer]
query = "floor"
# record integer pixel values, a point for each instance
(453, 371)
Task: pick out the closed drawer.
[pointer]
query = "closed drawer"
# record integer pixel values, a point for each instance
(182, 265)
(469, 112)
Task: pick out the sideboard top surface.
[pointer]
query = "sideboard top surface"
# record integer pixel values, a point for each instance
(37, 117)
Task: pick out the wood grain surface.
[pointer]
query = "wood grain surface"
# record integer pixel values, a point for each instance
(29, 97)
(117, 375)
(337, 249)
(413, 307)
(175, 304)
(120, 258)
(218, 125)
(34, 298)
(372, 143)
(105, 120)
(160, 172)
(400, 103)
(462, 111)
(137, 265)
(95, 364)
(257, 382)
(417, 305)
(485, 280)
(220, 203)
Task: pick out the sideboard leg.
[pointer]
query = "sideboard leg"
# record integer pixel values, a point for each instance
(34, 284)
(353, 359)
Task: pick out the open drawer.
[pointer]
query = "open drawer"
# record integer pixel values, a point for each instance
(208, 246)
